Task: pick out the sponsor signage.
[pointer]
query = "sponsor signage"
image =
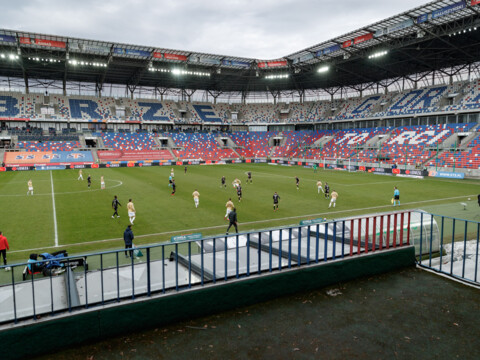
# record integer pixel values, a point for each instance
(187, 237)
(303, 58)
(50, 43)
(475, 2)
(329, 50)
(25, 40)
(396, 27)
(280, 63)
(203, 59)
(422, 18)
(362, 38)
(50, 167)
(415, 172)
(131, 52)
(312, 221)
(448, 9)
(347, 43)
(175, 57)
(95, 48)
(7, 38)
(243, 64)
(447, 175)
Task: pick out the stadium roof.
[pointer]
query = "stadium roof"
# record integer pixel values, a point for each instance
(435, 36)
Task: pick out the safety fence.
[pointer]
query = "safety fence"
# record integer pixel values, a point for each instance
(89, 280)
(450, 246)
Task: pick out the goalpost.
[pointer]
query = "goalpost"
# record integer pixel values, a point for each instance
(339, 163)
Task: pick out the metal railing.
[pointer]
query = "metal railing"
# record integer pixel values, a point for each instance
(457, 254)
(114, 276)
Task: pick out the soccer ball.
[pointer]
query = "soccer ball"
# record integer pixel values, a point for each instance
(469, 199)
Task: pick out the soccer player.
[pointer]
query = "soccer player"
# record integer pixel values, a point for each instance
(229, 205)
(232, 217)
(396, 196)
(80, 174)
(239, 192)
(131, 211)
(319, 187)
(30, 187)
(223, 182)
(327, 191)
(249, 177)
(297, 180)
(174, 187)
(115, 205)
(185, 170)
(334, 199)
(172, 174)
(102, 183)
(236, 183)
(276, 198)
(314, 167)
(89, 180)
(170, 180)
(196, 196)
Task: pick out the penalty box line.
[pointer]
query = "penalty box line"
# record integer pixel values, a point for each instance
(247, 223)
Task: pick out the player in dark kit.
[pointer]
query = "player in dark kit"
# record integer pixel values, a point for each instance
(327, 191)
(276, 198)
(239, 192)
(185, 169)
(115, 205)
(297, 180)
(174, 187)
(89, 180)
(249, 177)
(223, 182)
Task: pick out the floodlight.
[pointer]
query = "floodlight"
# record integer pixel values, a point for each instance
(323, 69)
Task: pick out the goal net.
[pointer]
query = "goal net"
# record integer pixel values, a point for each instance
(336, 163)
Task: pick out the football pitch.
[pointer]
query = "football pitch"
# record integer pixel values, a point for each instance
(64, 213)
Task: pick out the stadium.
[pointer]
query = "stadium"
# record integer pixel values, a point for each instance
(394, 104)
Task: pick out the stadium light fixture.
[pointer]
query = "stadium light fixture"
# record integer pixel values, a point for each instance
(378, 54)
(323, 69)
(277, 76)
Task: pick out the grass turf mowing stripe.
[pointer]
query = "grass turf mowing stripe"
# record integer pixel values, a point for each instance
(250, 223)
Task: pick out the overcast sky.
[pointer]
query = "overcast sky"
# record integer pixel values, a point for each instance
(262, 29)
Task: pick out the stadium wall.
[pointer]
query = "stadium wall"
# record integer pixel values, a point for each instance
(47, 336)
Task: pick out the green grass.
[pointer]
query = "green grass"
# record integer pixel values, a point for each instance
(84, 220)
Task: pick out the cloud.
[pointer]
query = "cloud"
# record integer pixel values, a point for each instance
(263, 29)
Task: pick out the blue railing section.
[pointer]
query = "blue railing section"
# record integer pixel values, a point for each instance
(451, 247)
(110, 277)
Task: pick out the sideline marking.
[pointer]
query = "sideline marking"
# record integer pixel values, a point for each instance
(54, 211)
(246, 223)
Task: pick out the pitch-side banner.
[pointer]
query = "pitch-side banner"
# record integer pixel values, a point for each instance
(475, 2)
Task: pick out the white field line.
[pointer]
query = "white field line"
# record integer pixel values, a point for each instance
(329, 213)
(119, 183)
(264, 174)
(54, 211)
